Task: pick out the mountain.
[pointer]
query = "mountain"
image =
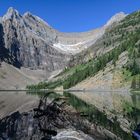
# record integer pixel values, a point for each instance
(112, 62)
(26, 41)
(31, 42)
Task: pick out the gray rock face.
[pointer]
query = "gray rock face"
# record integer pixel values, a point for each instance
(29, 40)
(3, 50)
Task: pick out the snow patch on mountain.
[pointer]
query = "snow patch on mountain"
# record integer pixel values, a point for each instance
(79, 46)
(72, 48)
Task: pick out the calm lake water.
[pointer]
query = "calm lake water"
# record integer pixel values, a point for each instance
(122, 107)
(13, 101)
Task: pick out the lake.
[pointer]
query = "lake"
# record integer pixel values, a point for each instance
(117, 111)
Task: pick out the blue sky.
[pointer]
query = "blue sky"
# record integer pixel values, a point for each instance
(72, 15)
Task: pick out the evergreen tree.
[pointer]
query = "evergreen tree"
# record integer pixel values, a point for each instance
(139, 82)
(134, 83)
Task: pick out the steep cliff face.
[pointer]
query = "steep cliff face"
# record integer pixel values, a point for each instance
(2, 49)
(30, 42)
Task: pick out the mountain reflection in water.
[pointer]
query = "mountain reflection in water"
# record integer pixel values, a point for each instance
(119, 113)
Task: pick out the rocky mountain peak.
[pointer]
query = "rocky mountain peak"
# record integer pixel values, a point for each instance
(116, 18)
(12, 10)
(11, 13)
(29, 15)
